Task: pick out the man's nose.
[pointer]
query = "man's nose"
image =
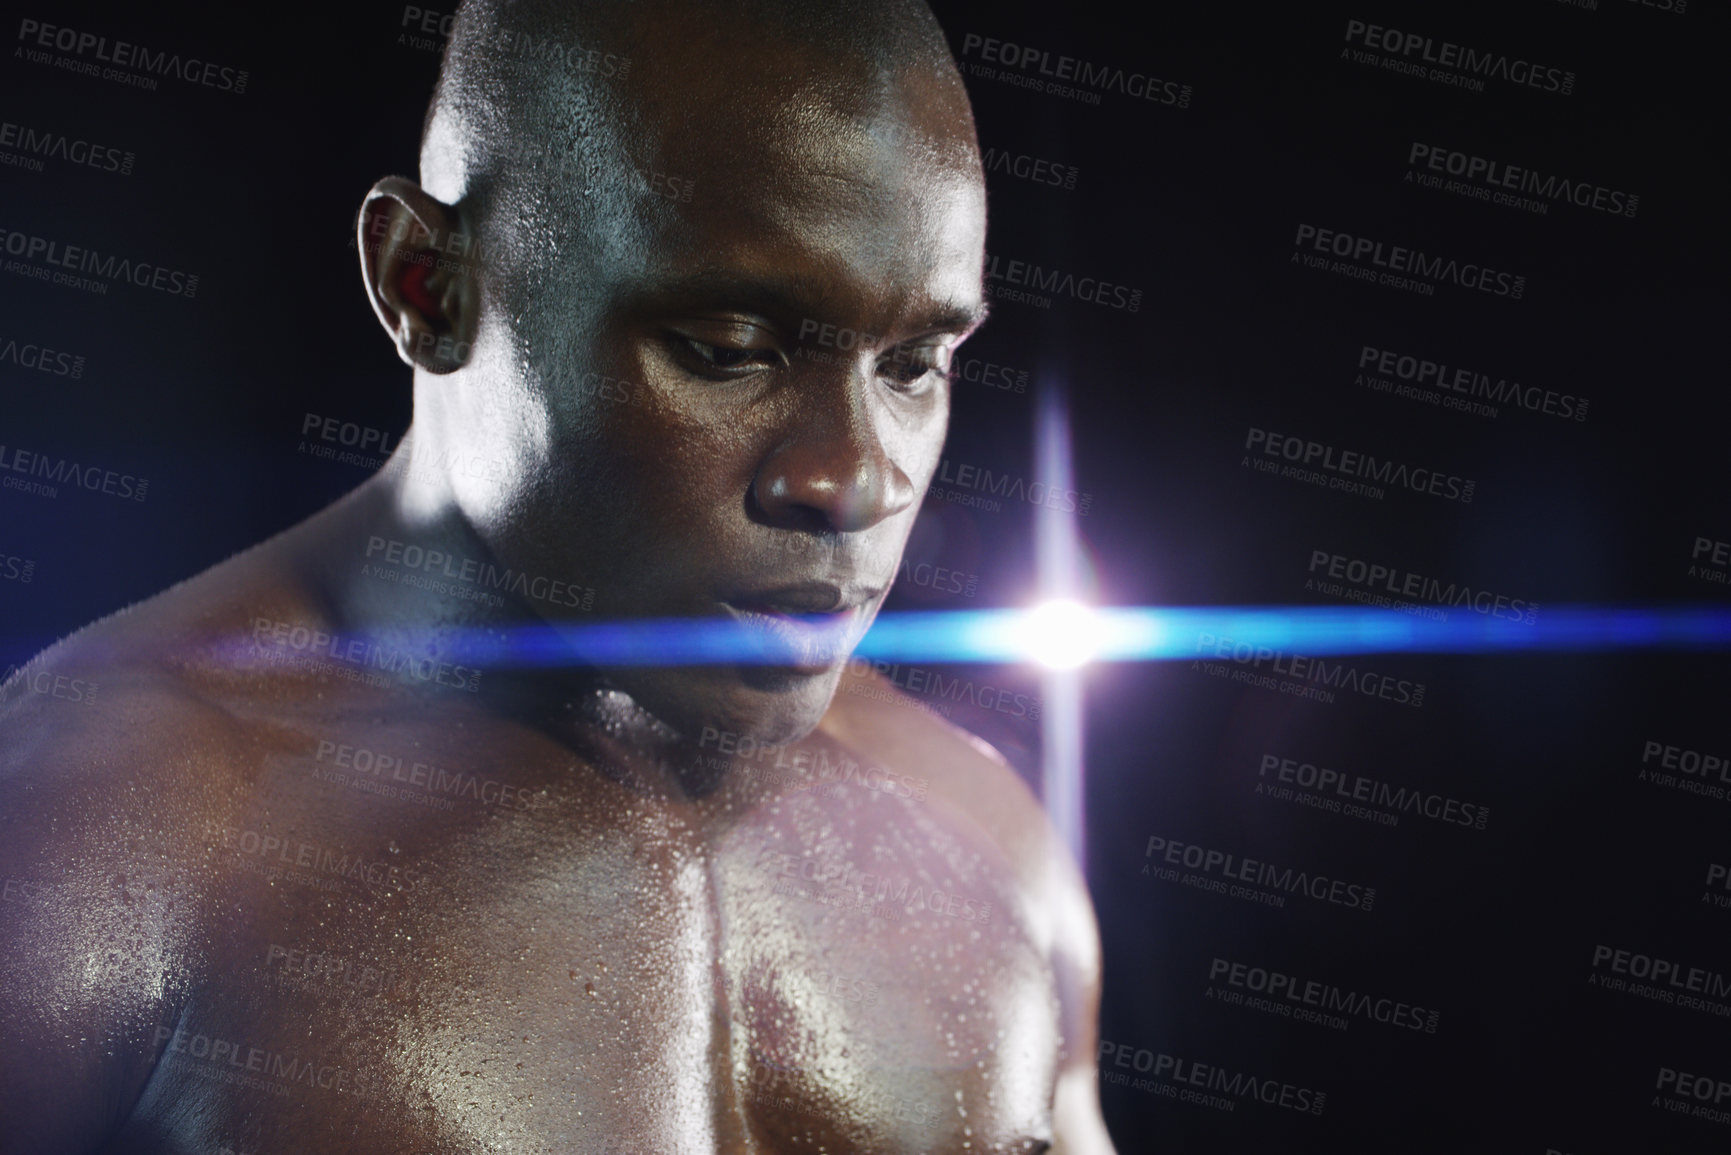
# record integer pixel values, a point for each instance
(833, 468)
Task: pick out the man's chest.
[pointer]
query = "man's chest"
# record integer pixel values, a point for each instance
(829, 972)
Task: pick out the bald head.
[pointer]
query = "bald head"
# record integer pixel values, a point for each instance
(579, 90)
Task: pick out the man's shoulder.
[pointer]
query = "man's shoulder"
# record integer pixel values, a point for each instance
(95, 735)
(138, 706)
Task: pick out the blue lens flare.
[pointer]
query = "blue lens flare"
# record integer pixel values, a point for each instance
(1165, 633)
(1114, 634)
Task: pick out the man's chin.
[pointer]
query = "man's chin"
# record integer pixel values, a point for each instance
(771, 705)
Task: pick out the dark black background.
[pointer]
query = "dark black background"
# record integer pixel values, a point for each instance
(1197, 207)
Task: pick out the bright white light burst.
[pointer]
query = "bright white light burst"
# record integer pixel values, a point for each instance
(1061, 634)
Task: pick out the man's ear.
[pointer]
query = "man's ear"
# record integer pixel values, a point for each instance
(419, 271)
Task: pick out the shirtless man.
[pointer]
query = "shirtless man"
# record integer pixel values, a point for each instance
(285, 868)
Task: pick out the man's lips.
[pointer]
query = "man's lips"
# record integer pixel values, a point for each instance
(803, 598)
(816, 623)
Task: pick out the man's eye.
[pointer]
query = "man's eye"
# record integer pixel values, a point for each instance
(726, 357)
(907, 365)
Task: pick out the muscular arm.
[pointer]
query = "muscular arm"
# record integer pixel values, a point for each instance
(1078, 1128)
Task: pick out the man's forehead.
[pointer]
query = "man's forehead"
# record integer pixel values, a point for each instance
(810, 200)
(827, 232)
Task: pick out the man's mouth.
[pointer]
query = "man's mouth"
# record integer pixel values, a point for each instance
(809, 627)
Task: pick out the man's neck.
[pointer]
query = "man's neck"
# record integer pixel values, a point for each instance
(424, 583)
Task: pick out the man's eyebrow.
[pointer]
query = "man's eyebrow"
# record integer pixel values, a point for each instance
(959, 319)
(771, 296)
(797, 299)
